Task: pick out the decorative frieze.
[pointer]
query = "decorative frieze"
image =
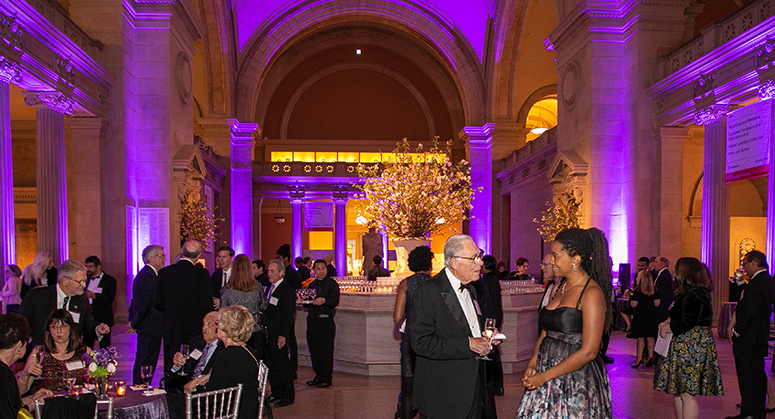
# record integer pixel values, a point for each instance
(710, 114)
(9, 71)
(65, 75)
(11, 31)
(765, 67)
(54, 100)
(296, 191)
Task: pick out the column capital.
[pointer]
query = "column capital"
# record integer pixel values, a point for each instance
(476, 132)
(243, 129)
(297, 191)
(340, 193)
(9, 71)
(53, 100)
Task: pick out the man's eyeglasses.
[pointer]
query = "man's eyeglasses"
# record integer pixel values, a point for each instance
(78, 282)
(476, 258)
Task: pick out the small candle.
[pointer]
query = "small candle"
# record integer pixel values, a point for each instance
(120, 388)
(77, 389)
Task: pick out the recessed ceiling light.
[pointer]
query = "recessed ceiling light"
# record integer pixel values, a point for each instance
(358, 51)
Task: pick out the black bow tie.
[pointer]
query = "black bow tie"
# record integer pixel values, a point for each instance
(464, 287)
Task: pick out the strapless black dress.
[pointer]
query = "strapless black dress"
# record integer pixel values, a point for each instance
(584, 393)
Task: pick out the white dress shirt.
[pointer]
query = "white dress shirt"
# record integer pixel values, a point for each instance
(466, 303)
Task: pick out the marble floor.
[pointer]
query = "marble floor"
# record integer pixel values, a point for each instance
(354, 396)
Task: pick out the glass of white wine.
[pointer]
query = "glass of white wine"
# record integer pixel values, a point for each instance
(489, 332)
(69, 378)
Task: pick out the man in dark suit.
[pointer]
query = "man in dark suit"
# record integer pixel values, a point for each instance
(488, 295)
(183, 294)
(330, 268)
(302, 269)
(447, 337)
(101, 291)
(144, 318)
(201, 348)
(222, 274)
(279, 324)
(293, 279)
(749, 330)
(664, 286)
(68, 293)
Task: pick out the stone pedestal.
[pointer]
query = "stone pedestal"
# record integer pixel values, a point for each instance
(715, 212)
(53, 235)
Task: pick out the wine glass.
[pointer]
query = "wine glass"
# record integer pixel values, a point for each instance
(40, 351)
(489, 332)
(184, 352)
(69, 378)
(146, 373)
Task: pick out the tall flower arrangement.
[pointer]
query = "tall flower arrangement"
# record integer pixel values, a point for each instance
(560, 215)
(415, 195)
(197, 221)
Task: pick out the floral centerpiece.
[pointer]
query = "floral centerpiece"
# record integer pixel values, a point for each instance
(414, 195)
(100, 365)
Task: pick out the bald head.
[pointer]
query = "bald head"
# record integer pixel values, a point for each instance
(192, 249)
(209, 327)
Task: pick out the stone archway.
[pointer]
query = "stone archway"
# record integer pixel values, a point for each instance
(427, 31)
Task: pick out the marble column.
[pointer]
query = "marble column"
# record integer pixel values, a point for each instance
(7, 224)
(50, 110)
(479, 150)
(770, 232)
(88, 185)
(670, 198)
(340, 235)
(715, 212)
(241, 181)
(258, 204)
(297, 244)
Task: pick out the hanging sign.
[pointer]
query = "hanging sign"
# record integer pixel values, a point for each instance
(319, 216)
(749, 132)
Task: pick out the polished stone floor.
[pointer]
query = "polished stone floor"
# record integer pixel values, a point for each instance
(354, 396)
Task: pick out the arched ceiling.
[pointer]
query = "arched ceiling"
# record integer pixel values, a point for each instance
(469, 16)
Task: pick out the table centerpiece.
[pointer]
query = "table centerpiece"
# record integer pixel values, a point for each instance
(100, 365)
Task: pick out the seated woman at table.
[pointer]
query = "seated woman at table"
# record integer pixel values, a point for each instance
(14, 334)
(236, 364)
(63, 348)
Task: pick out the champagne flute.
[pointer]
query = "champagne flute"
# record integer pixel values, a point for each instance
(146, 373)
(489, 332)
(184, 352)
(69, 378)
(39, 353)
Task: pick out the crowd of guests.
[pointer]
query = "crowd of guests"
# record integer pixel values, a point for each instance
(229, 322)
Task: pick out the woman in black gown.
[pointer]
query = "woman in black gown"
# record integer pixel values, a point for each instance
(566, 377)
(644, 301)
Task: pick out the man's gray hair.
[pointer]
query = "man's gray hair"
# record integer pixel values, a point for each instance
(454, 246)
(151, 251)
(69, 268)
(191, 249)
(279, 263)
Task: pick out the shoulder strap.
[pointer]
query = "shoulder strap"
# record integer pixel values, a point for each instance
(253, 356)
(582, 292)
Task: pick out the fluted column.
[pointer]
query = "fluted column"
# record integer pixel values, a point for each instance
(479, 149)
(242, 185)
(7, 226)
(298, 222)
(715, 211)
(50, 110)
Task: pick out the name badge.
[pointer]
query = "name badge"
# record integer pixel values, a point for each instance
(476, 307)
(75, 365)
(196, 353)
(76, 316)
(273, 301)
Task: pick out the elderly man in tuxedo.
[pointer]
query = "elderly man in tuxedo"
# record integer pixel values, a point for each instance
(144, 318)
(447, 337)
(280, 325)
(749, 330)
(183, 294)
(663, 282)
(68, 294)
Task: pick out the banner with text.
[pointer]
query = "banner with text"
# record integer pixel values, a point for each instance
(749, 132)
(319, 216)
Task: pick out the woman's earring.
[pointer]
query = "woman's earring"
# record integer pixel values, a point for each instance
(574, 267)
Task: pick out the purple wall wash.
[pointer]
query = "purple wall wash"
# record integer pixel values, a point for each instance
(241, 218)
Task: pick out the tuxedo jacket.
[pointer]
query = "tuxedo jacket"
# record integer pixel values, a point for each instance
(279, 312)
(446, 369)
(490, 279)
(174, 380)
(216, 283)
(42, 301)
(753, 310)
(102, 303)
(183, 294)
(143, 316)
(664, 285)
